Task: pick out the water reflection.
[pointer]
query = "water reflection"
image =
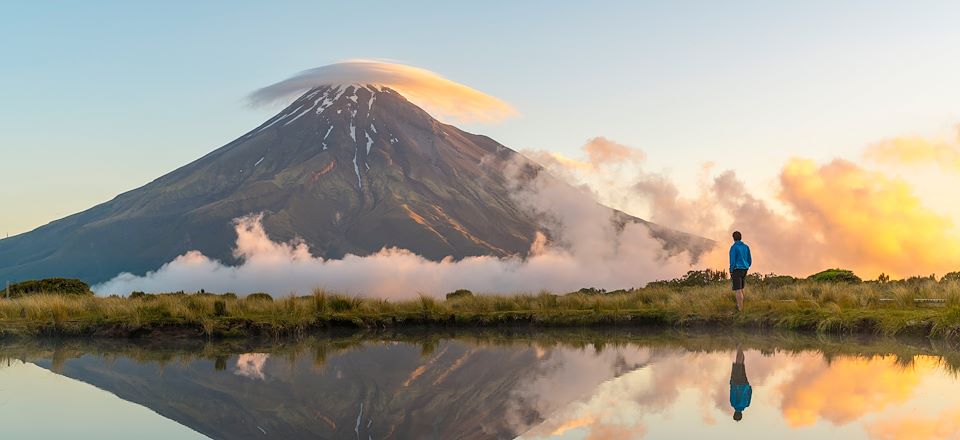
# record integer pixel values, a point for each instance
(556, 384)
(740, 390)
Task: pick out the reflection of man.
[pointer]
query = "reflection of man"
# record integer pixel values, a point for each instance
(740, 390)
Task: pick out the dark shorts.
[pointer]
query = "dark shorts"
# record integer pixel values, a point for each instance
(739, 278)
(738, 374)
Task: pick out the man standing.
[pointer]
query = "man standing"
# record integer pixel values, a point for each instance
(740, 261)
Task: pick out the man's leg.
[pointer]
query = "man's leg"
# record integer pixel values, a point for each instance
(739, 293)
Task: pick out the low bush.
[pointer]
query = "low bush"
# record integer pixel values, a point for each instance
(459, 293)
(835, 276)
(259, 296)
(55, 286)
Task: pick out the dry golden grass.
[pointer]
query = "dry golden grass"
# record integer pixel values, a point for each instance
(870, 307)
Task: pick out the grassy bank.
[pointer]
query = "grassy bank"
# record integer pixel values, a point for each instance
(873, 308)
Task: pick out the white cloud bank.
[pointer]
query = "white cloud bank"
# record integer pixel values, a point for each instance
(587, 249)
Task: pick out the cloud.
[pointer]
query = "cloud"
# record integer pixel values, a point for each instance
(918, 151)
(587, 249)
(826, 215)
(441, 97)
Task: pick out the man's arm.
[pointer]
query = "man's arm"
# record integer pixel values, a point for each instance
(733, 255)
(749, 258)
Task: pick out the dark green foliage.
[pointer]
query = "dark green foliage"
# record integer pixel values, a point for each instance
(340, 303)
(883, 278)
(260, 296)
(459, 293)
(952, 276)
(591, 291)
(136, 294)
(918, 280)
(220, 363)
(60, 286)
(836, 276)
(774, 281)
(693, 278)
(220, 308)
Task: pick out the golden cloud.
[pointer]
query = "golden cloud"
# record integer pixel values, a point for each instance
(866, 220)
(916, 150)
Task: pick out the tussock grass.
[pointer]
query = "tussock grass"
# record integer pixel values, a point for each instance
(877, 308)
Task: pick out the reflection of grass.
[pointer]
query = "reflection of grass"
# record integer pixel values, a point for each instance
(321, 346)
(814, 306)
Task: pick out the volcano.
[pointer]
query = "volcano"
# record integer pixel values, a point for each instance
(348, 169)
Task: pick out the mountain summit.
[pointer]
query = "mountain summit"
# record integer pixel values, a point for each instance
(349, 169)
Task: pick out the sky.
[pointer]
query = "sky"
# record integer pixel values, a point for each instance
(103, 97)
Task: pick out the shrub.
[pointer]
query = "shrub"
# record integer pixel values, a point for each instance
(774, 281)
(591, 291)
(219, 308)
(952, 276)
(340, 303)
(693, 278)
(459, 293)
(61, 286)
(259, 296)
(137, 294)
(229, 295)
(836, 276)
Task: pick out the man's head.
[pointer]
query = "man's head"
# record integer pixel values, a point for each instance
(737, 415)
(737, 236)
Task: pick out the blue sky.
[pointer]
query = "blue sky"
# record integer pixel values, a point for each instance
(102, 97)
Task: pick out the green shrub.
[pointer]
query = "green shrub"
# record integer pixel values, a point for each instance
(951, 277)
(775, 281)
(220, 308)
(693, 278)
(591, 291)
(341, 303)
(835, 276)
(259, 296)
(60, 286)
(136, 294)
(459, 293)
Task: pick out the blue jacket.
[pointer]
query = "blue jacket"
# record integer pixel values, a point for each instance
(740, 394)
(740, 256)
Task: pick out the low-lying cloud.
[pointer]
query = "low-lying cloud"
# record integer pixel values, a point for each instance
(587, 248)
(439, 96)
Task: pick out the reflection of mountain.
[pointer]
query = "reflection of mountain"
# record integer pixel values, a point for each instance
(625, 383)
(380, 391)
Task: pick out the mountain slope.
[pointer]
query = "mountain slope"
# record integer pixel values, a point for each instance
(349, 169)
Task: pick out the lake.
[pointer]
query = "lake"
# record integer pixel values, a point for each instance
(551, 384)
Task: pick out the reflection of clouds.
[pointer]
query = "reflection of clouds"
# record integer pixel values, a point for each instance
(569, 375)
(251, 365)
(806, 388)
(847, 388)
(943, 426)
(616, 404)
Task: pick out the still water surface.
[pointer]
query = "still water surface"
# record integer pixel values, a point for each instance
(570, 384)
